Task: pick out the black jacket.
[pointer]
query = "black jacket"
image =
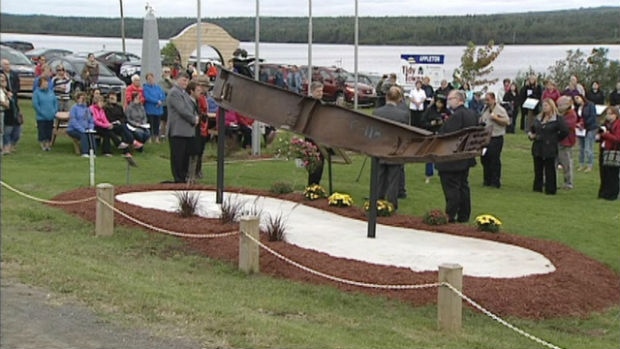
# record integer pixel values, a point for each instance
(531, 91)
(547, 137)
(461, 118)
(597, 97)
(614, 97)
(115, 112)
(433, 119)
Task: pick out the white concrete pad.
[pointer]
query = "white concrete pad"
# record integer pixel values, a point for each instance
(344, 237)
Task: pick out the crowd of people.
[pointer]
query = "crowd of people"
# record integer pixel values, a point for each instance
(176, 107)
(555, 121)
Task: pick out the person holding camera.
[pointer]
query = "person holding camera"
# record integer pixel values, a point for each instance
(609, 136)
(546, 132)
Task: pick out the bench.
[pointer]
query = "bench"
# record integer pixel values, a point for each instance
(61, 121)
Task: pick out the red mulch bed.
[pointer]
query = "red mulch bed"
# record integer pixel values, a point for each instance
(580, 285)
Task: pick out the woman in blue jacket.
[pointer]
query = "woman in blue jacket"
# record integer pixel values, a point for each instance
(45, 106)
(80, 122)
(154, 98)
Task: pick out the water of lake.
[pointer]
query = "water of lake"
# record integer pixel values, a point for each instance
(380, 59)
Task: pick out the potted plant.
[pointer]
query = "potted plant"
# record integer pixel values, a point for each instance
(435, 217)
(340, 200)
(384, 207)
(314, 192)
(487, 222)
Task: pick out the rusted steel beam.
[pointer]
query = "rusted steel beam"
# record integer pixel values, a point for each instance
(340, 127)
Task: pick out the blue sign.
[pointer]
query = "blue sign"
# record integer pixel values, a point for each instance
(423, 59)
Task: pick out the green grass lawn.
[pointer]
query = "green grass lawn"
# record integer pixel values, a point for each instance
(143, 279)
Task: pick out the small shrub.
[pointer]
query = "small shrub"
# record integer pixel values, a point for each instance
(384, 207)
(232, 209)
(276, 227)
(187, 203)
(488, 223)
(314, 192)
(252, 210)
(435, 217)
(340, 200)
(281, 188)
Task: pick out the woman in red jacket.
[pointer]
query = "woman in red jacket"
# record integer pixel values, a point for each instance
(609, 136)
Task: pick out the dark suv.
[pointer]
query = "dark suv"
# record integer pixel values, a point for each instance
(20, 64)
(108, 82)
(22, 46)
(339, 83)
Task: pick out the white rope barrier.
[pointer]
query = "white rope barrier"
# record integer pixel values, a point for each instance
(335, 278)
(71, 202)
(298, 265)
(498, 319)
(166, 231)
(406, 287)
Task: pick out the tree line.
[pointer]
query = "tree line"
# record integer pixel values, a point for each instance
(583, 26)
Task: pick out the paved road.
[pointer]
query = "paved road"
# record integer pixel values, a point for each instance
(32, 318)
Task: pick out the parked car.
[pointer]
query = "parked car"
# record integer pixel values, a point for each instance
(339, 83)
(272, 73)
(48, 53)
(22, 65)
(108, 81)
(371, 79)
(21, 46)
(128, 69)
(112, 59)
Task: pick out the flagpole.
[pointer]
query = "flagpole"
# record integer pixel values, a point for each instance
(309, 76)
(122, 26)
(198, 44)
(256, 135)
(357, 29)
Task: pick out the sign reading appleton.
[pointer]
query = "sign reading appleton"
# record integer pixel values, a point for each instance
(423, 59)
(415, 67)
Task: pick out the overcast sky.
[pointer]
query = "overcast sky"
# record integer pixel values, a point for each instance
(297, 8)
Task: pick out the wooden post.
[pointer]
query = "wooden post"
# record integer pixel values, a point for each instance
(104, 223)
(449, 304)
(248, 249)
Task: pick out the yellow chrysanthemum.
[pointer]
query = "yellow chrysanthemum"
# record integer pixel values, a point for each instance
(314, 192)
(487, 222)
(384, 207)
(487, 219)
(338, 199)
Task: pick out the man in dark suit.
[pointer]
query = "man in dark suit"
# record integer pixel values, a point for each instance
(454, 174)
(182, 120)
(389, 172)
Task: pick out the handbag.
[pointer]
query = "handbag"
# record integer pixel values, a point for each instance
(611, 158)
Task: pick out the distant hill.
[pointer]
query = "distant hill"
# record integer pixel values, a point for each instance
(583, 26)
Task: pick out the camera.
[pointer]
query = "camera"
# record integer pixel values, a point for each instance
(602, 129)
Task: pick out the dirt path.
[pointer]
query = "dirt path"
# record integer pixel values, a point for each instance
(32, 318)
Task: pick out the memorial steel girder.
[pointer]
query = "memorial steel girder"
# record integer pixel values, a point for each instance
(344, 128)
